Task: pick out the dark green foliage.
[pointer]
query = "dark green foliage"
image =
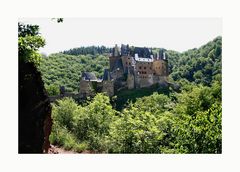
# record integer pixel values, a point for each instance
(153, 124)
(65, 70)
(197, 65)
(29, 41)
(151, 120)
(93, 50)
(87, 126)
(126, 96)
(53, 90)
(34, 110)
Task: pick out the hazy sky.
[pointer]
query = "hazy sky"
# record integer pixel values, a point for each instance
(178, 34)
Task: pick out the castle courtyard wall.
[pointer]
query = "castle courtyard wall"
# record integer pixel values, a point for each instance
(108, 87)
(86, 88)
(144, 81)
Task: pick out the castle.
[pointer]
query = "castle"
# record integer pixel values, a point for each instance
(130, 68)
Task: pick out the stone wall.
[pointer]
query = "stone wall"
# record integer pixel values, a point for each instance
(86, 88)
(90, 88)
(127, 62)
(117, 74)
(112, 61)
(144, 81)
(130, 81)
(144, 68)
(161, 80)
(159, 67)
(108, 87)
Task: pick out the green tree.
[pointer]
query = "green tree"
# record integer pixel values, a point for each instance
(53, 90)
(93, 122)
(29, 41)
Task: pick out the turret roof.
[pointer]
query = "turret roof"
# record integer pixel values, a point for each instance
(89, 76)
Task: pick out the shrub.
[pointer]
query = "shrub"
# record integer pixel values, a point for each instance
(93, 122)
(65, 112)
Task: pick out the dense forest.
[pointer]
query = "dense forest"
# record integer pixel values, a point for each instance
(187, 121)
(92, 50)
(65, 70)
(201, 66)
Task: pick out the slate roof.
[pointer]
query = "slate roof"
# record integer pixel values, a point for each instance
(118, 64)
(106, 74)
(125, 50)
(142, 52)
(89, 76)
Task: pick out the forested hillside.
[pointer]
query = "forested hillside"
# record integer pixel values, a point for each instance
(165, 121)
(201, 66)
(93, 50)
(187, 122)
(65, 70)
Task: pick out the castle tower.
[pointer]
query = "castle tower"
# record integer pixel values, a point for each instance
(107, 83)
(130, 79)
(115, 56)
(160, 65)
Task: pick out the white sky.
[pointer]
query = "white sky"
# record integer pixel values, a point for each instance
(178, 34)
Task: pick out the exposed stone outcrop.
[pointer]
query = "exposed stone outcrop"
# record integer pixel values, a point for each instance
(34, 119)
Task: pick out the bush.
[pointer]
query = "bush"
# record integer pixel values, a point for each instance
(53, 90)
(62, 137)
(65, 112)
(93, 122)
(78, 128)
(153, 124)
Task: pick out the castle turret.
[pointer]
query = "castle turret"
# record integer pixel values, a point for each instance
(116, 52)
(115, 56)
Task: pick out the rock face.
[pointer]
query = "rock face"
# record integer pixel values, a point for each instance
(34, 118)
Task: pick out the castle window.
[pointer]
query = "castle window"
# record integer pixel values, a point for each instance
(129, 63)
(140, 67)
(144, 67)
(150, 68)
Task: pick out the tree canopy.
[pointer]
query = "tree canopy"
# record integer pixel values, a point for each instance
(29, 41)
(165, 121)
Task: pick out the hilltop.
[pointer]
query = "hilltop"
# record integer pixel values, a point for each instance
(201, 66)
